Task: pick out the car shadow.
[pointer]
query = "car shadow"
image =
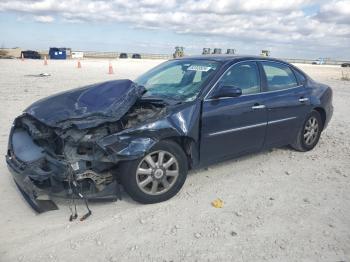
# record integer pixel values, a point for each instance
(241, 158)
(64, 203)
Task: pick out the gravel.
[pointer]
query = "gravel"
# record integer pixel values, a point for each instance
(311, 194)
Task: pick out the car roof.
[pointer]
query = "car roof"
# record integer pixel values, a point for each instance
(226, 58)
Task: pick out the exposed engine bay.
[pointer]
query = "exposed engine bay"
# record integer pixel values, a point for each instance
(63, 160)
(75, 144)
(74, 147)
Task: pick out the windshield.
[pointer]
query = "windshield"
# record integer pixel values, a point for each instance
(177, 79)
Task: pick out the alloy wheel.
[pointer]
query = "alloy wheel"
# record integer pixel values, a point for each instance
(157, 172)
(311, 131)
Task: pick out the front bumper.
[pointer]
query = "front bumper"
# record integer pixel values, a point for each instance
(40, 173)
(40, 197)
(36, 197)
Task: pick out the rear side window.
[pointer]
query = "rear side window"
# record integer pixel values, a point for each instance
(279, 76)
(300, 77)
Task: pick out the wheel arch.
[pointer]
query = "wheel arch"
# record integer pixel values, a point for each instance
(188, 144)
(322, 113)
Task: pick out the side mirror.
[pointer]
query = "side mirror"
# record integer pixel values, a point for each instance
(227, 91)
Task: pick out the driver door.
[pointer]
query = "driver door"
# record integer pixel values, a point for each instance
(234, 125)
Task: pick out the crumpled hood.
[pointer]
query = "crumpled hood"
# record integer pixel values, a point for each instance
(88, 106)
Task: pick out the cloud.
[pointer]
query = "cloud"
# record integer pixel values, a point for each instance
(43, 18)
(335, 11)
(269, 22)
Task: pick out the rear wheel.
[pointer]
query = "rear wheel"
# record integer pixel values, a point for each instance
(309, 133)
(156, 177)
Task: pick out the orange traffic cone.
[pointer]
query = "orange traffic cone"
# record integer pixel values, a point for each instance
(22, 57)
(45, 60)
(79, 64)
(110, 69)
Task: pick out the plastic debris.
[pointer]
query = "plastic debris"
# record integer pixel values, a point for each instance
(198, 235)
(233, 233)
(217, 203)
(40, 75)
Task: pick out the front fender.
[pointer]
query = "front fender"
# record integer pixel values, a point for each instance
(126, 147)
(133, 143)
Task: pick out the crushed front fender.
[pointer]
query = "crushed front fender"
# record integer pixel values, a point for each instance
(134, 142)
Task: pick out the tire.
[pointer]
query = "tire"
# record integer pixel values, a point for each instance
(146, 184)
(306, 139)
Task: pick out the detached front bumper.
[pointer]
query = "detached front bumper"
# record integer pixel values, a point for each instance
(36, 197)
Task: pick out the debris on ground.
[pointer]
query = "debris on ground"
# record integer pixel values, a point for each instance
(198, 235)
(40, 75)
(217, 203)
(233, 233)
(238, 213)
(306, 200)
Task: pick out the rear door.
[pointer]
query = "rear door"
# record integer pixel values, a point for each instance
(287, 102)
(234, 125)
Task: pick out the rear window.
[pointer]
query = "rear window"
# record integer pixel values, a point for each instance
(279, 76)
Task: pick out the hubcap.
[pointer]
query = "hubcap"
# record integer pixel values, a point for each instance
(311, 131)
(157, 172)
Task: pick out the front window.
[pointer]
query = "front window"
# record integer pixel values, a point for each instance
(244, 76)
(178, 79)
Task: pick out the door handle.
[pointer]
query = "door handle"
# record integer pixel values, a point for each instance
(258, 106)
(303, 99)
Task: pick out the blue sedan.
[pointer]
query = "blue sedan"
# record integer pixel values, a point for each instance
(146, 134)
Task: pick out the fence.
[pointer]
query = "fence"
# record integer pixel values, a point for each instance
(92, 54)
(113, 55)
(310, 61)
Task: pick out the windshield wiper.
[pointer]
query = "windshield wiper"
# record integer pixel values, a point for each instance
(155, 99)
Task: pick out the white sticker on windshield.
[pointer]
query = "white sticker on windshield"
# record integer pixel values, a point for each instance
(199, 68)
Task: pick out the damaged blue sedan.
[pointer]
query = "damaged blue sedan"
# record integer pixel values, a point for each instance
(146, 134)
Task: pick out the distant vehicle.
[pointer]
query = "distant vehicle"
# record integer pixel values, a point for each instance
(345, 64)
(230, 51)
(58, 53)
(265, 53)
(77, 54)
(30, 54)
(179, 52)
(206, 51)
(319, 61)
(123, 55)
(136, 56)
(217, 51)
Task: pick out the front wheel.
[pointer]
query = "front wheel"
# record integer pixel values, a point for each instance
(309, 133)
(157, 176)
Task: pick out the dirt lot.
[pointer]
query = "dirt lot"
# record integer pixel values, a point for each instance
(279, 205)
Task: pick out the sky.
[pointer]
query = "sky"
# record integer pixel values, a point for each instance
(289, 29)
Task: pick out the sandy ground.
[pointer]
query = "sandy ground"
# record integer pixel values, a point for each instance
(279, 205)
